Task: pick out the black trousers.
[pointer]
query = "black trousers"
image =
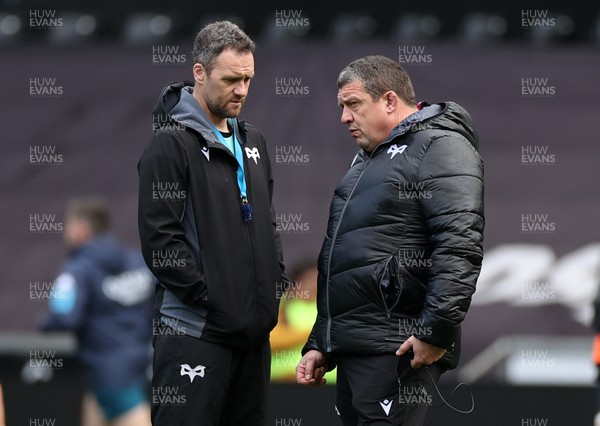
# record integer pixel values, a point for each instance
(372, 391)
(204, 384)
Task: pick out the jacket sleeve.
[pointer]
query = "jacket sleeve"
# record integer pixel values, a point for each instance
(311, 344)
(278, 243)
(67, 304)
(160, 219)
(451, 172)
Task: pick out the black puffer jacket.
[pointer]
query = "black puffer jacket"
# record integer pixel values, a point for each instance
(403, 248)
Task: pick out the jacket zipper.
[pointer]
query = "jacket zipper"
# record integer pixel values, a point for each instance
(221, 147)
(242, 144)
(393, 275)
(335, 232)
(253, 278)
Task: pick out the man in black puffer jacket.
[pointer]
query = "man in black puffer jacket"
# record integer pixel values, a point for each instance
(403, 249)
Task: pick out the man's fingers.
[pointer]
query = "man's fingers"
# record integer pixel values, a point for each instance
(318, 378)
(301, 372)
(416, 362)
(319, 373)
(405, 347)
(306, 368)
(309, 368)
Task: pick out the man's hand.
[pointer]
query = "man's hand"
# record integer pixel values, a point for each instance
(311, 369)
(424, 353)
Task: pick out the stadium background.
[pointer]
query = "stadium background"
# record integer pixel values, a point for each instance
(536, 289)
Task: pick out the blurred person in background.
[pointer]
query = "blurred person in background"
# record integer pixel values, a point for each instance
(297, 314)
(402, 252)
(104, 295)
(208, 233)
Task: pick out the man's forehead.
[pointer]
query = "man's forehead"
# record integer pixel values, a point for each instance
(230, 59)
(353, 88)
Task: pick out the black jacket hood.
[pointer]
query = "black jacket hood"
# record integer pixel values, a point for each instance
(448, 116)
(176, 105)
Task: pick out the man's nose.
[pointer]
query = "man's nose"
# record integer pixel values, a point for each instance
(346, 116)
(241, 89)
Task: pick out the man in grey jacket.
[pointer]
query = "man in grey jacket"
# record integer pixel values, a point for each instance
(208, 234)
(403, 249)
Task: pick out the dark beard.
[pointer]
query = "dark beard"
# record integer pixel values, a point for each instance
(219, 111)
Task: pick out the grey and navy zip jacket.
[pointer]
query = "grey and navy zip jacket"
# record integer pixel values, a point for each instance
(218, 274)
(403, 248)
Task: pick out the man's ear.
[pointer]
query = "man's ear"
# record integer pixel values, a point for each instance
(391, 101)
(199, 74)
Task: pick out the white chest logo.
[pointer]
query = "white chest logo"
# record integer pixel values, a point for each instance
(395, 149)
(206, 153)
(253, 153)
(386, 404)
(192, 372)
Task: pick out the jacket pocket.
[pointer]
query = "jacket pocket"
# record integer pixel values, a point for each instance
(202, 265)
(390, 284)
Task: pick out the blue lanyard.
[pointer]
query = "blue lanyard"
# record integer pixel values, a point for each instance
(246, 207)
(237, 149)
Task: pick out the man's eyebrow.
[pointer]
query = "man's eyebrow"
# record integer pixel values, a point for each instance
(237, 76)
(347, 98)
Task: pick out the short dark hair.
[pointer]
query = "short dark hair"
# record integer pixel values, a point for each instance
(379, 74)
(216, 37)
(91, 209)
